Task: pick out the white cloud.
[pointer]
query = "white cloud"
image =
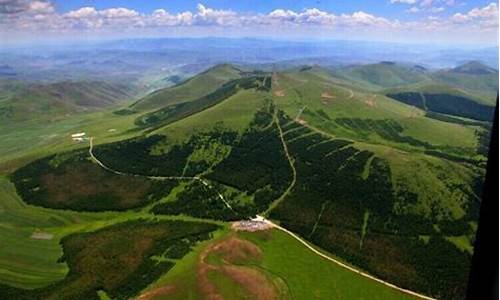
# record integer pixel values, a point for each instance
(426, 3)
(403, 1)
(437, 9)
(209, 16)
(484, 17)
(84, 12)
(40, 16)
(119, 12)
(41, 7)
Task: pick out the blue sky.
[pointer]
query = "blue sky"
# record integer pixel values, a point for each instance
(423, 21)
(380, 7)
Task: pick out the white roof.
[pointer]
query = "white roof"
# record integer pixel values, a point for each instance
(78, 134)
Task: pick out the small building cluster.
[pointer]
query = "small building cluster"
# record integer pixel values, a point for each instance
(255, 224)
(79, 137)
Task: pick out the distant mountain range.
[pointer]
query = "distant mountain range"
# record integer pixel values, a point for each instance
(139, 59)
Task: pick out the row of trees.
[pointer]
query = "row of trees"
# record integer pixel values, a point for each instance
(331, 200)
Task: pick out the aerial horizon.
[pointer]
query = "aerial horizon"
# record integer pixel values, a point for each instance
(304, 40)
(449, 22)
(238, 150)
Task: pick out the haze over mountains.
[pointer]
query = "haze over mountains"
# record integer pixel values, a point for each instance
(133, 59)
(373, 153)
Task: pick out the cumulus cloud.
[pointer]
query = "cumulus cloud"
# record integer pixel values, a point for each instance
(9, 7)
(485, 17)
(40, 15)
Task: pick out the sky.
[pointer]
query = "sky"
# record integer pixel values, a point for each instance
(407, 21)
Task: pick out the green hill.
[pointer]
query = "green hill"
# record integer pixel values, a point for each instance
(23, 101)
(474, 68)
(473, 77)
(383, 74)
(190, 89)
(444, 100)
(375, 182)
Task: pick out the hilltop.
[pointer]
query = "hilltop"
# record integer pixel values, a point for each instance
(383, 74)
(379, 183)
(191, 89)
(473, 77)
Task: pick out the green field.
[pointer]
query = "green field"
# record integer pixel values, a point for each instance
(379, 184)
(298, 272)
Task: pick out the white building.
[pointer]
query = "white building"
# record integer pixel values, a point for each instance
(78, 137)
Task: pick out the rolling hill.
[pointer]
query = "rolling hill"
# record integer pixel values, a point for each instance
(23, 101)
(368, 180)
(383, 74)
(473, 77)
(189, 90)
(445, 100)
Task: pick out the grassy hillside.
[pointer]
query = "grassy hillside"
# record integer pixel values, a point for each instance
(23, 101)
(345, 111)
(373, 181)
(292, 274)
(383, 74)
(473, 77)
(477, 80)
(191, 89)
(445, 100)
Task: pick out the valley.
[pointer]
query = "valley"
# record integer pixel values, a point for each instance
(370, 177)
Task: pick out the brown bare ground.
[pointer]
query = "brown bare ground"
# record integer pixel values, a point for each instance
(230, 251)
(279, 93)
(371, 102)
(327, 95)
(204, 285)
(234, 250)
(161, 292)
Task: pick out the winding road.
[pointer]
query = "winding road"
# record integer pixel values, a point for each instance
(100, 163)
(274, 225)
(263, 219)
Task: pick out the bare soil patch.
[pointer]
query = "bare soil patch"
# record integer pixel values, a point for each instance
(232, 253)
(371, 102)
(279, 93)
(158, 292)
(302, 121)
(39, 235)
(327, 95)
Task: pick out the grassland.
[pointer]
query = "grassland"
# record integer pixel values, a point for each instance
(296, 273)
(189, 90)
(366, 186)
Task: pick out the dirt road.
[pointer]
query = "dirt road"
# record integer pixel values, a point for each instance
(274, 225)
(91, 153)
